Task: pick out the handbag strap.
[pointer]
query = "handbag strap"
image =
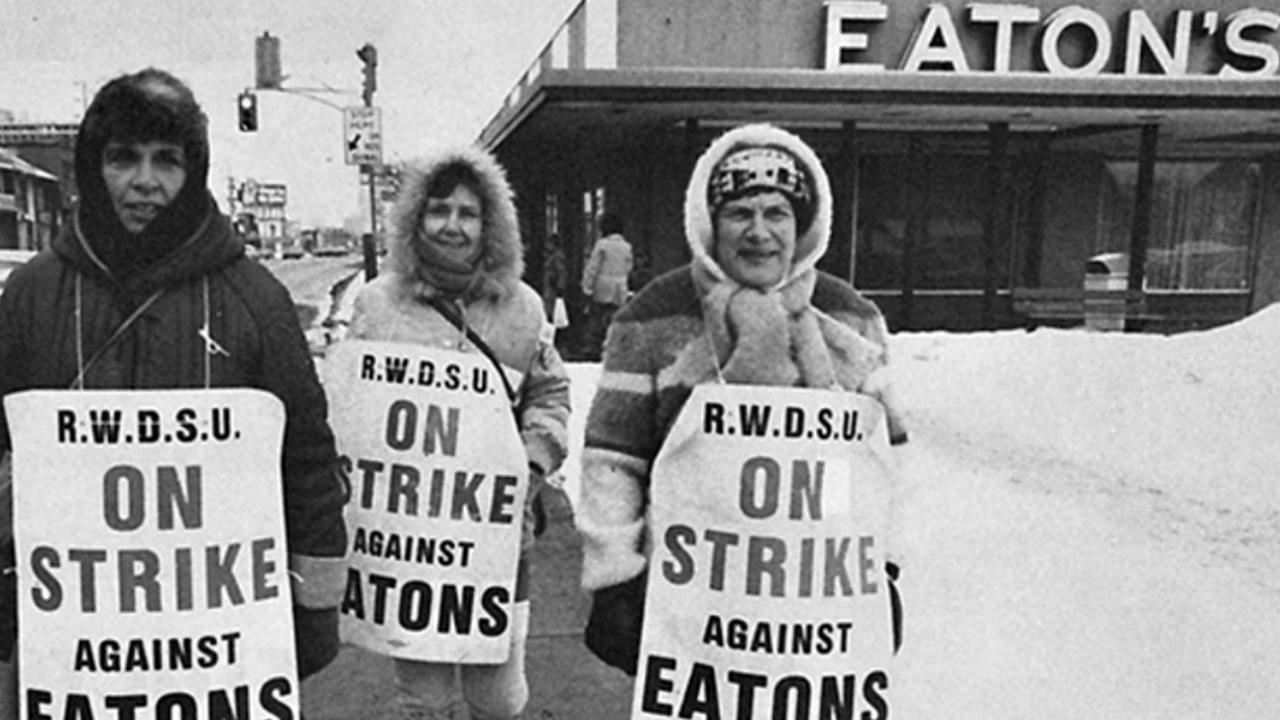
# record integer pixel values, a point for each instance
(450, 313)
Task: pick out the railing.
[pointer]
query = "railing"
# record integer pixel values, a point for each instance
(1127, 309)
(47, 133)
(1067, 303)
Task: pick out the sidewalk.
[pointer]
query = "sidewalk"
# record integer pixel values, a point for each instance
(566, 682)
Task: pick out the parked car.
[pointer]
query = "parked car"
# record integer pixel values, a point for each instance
(10, 259)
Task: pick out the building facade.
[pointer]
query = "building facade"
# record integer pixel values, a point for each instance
(995, 164)
(30, 204)
(37, 182)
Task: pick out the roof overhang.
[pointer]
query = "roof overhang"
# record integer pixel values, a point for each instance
(604, 106)
(9, 160)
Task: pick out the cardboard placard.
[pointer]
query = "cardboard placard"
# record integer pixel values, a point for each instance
(152, 566)
(439, 478)
(767, 596)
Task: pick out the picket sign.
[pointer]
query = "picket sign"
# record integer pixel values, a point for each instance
(766, 595)
(151, 557)
(439, 477)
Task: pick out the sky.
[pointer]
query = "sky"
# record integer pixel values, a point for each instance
(444, 67)
(1091, 523)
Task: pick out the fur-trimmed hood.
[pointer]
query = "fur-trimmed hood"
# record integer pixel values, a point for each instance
(501, 260)
(811, 243)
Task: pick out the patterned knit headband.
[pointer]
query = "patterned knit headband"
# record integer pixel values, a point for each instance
(758, 168)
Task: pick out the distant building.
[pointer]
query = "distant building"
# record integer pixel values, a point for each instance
(31, 209)
(266, 207)
(981, 154)
(50, 146)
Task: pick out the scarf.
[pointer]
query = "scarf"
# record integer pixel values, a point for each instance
(776, 337)
(127, 254)
(447, 276)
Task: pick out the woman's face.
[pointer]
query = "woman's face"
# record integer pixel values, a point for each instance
(453, 225)
(142, 178)
(756, 239)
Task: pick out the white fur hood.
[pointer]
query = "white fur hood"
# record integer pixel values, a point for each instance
(699, 231)
(502, 260)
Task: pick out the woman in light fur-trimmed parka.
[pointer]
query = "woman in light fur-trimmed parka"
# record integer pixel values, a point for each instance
(750, 308)
(453, 234)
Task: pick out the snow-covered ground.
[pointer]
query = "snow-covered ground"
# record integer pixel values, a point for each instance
(1092, 523)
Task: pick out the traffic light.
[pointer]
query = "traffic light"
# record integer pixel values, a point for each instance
(266, 61)
(369, 55)
(248, 111)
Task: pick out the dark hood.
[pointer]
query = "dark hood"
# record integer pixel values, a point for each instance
(150, 105)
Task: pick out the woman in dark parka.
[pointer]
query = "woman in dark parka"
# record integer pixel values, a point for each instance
(148, 287)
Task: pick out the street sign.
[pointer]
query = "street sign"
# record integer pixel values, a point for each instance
(362, 135)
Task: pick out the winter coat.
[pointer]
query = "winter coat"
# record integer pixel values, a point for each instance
(672, 337)
(604, 279)
(259, 344)
(505, 312)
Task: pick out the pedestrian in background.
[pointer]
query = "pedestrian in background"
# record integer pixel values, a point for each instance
(555, 282)
(750, 309)
(148, 288)
(605, 279)
(453, 267)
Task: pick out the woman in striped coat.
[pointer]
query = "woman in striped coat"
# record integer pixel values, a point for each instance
(750, 308)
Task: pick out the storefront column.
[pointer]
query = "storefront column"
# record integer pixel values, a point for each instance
(1031, 248)
(845, 203)
(917, 193)
(997, 225)
(692, 146)
(569, 189)
(642, 243)
(1140, 232)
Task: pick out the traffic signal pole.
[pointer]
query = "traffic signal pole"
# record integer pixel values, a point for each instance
(268, 76)
(368, 54)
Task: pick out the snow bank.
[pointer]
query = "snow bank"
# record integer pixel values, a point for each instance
(1195, 413)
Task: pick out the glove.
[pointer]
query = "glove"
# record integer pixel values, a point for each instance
(315, 636)
(613, 627)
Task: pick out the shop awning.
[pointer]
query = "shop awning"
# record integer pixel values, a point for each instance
(606, 105)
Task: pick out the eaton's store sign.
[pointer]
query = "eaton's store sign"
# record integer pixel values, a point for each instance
(862, 36)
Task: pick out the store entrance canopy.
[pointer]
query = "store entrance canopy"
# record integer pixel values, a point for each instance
(604, 107)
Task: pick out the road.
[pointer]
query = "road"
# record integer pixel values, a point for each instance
(310, 280)
(310, 277)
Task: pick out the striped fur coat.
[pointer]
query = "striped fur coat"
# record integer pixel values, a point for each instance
(673, 336)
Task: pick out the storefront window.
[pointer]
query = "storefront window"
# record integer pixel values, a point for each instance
(945, 219)
(882, 223)
(1202, 222)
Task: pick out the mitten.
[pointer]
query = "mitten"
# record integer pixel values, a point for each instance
(613, 627)
(879, 385)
